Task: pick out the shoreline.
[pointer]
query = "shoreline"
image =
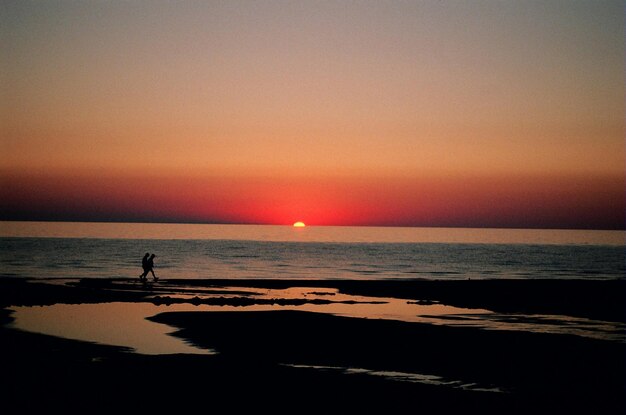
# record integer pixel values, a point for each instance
(291, 360)
(594, 299)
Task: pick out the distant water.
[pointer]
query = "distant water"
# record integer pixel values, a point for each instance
(60, 250)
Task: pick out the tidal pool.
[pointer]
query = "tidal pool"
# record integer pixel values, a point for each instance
(125, 323)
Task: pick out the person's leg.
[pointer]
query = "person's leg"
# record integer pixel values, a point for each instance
(153, 276)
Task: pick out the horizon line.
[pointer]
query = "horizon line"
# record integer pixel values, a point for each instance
(165, 222)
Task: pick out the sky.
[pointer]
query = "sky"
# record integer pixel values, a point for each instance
(374, 113)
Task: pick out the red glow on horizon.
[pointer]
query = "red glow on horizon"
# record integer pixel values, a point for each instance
(553, 202)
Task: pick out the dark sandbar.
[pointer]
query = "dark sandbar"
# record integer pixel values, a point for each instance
(599, 300)
(263, 356)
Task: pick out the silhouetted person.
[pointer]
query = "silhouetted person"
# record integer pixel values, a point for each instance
(144, 265)
(151, 266)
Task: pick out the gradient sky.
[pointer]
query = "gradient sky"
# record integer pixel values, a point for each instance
(406, 113)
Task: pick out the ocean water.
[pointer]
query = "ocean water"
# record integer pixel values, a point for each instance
(102, 250)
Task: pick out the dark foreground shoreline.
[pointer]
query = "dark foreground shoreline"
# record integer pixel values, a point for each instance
(294, 361)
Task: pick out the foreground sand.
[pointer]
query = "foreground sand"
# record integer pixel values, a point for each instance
(293, 361)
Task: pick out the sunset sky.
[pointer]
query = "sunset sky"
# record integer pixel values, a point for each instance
(399, 113)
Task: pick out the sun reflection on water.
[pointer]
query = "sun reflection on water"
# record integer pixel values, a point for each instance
(125, 324)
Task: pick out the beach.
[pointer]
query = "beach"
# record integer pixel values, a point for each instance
(287, 207)
(286, 358)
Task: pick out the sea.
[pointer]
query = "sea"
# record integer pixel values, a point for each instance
(199, 251)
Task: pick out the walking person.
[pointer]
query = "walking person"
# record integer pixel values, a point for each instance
(144, 265)
(151, 267)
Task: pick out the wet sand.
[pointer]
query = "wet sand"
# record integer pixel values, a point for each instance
(295, 361)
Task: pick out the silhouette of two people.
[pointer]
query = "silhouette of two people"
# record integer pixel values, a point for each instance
(147, 263)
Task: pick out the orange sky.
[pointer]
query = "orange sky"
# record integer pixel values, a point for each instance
(430, 113)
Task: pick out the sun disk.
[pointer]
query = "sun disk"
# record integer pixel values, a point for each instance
(299, 225)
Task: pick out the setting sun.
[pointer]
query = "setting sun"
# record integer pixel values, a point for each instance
(299, 225)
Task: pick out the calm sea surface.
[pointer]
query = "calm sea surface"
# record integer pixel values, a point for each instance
(104, 250)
